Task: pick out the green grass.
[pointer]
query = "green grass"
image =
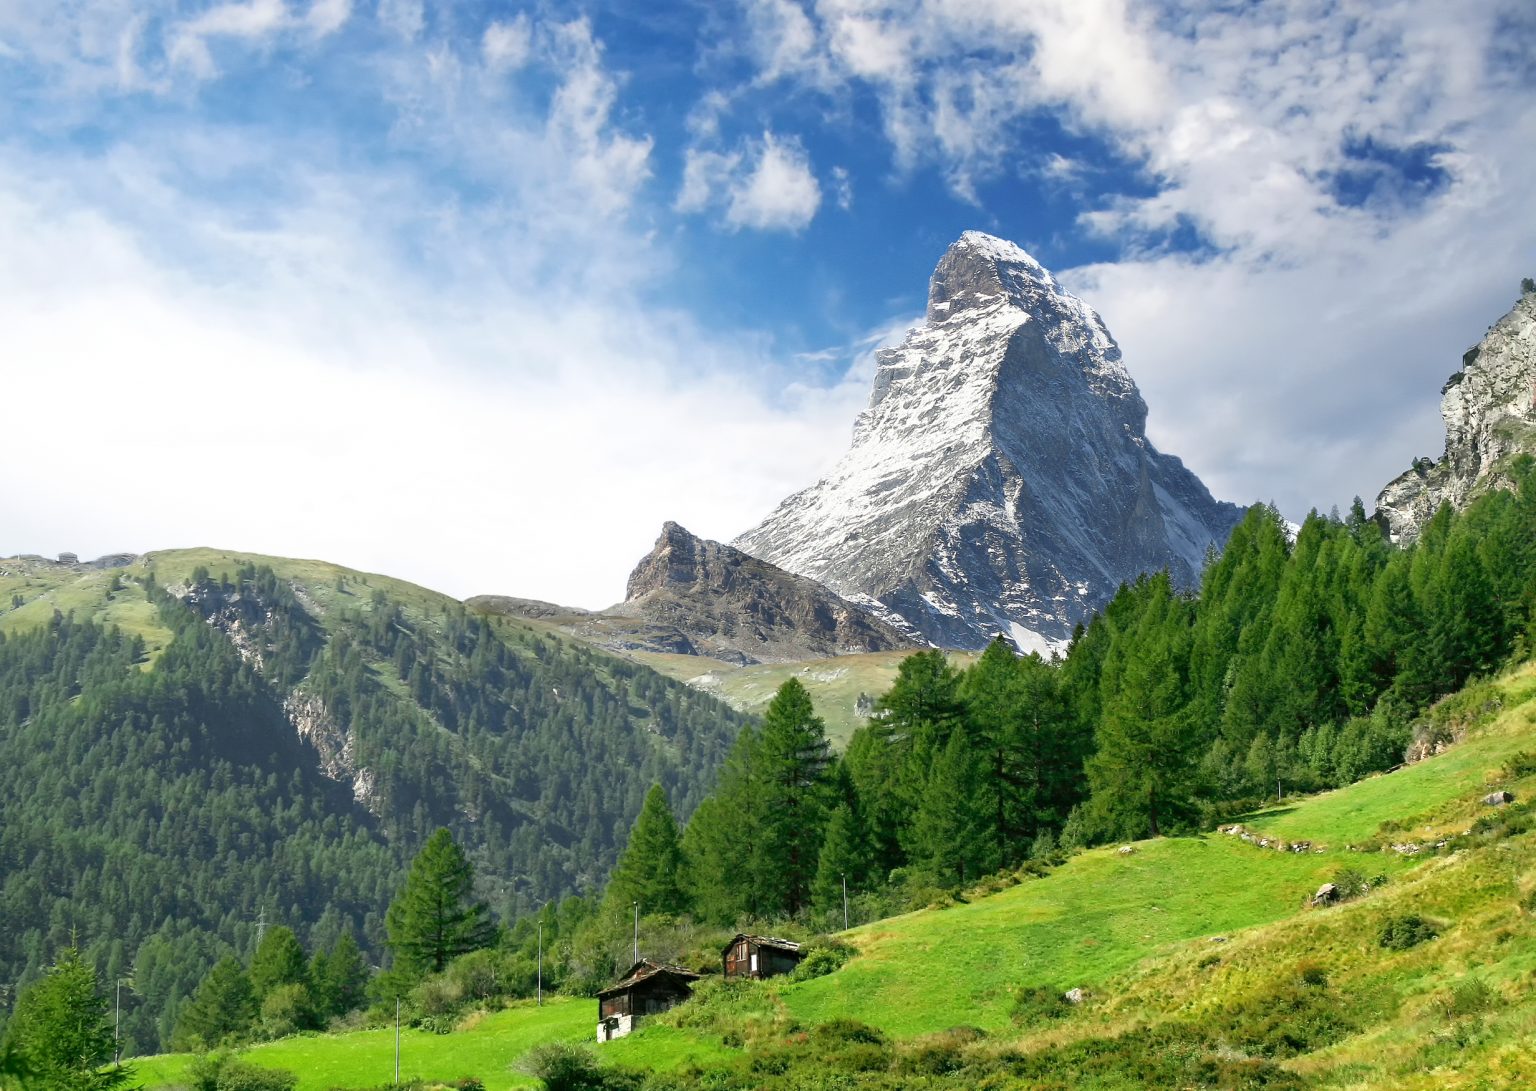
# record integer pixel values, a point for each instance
(488, 1049)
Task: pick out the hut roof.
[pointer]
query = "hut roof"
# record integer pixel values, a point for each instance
(645, 969)
(764, 941)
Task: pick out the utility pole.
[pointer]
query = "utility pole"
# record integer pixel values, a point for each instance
(845, 902)
(541, 964)
(397, 1040)
(117, 1026)
(261, 926)
(637, 931)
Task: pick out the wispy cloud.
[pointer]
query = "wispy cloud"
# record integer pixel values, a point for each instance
(766, 184)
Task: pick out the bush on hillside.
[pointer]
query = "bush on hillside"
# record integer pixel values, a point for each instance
(226, 1072)
(1400, 933)
(1037, 1004)
(563, 1067)
(825, 956)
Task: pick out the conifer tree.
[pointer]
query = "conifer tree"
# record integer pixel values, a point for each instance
(844, 856)
(339, 977)
(434, 919)
(60, 1033)
(278, 961)
(222, 1009)
(791, 780)
(949, 837)
(650, 869)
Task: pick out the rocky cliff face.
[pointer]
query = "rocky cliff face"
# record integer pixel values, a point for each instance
(1001, 478)
(703, 598)
(1489, 408)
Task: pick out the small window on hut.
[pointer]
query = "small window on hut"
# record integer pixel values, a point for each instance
(754, 962)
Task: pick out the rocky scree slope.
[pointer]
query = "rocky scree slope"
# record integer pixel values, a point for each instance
(1489, 408)
(1001, 478)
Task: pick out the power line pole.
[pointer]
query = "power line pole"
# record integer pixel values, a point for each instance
(397, 1040)
(845, 903)
(637, 931)
(541, 964)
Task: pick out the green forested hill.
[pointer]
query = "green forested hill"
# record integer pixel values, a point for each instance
(201, 741)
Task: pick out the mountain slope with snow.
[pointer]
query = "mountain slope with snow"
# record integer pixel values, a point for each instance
(1000, 479)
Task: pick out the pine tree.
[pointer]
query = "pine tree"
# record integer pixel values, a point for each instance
(340, 977)
(844, 857)
(278, 961)
(60, 1033)
(950, 841)
(433, 918)
(791, 780)
(650, 869)
(222, 1009)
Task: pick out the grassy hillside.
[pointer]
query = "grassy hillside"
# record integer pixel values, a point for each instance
(836, 685)
(315, 723)
(1206, 940)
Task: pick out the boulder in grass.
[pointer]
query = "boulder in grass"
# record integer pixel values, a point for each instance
(1499, 798)
(1326, 894)
(1127, 850)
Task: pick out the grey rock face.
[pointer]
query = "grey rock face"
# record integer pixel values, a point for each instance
(1001, 479)
(704, 598)
(1489, 408)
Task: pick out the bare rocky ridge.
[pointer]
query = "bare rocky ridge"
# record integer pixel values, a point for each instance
(1001, 478)
(1489, 408)
(704, 598)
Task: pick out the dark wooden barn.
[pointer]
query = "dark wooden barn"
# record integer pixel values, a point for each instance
(649, 987)
(760, 956)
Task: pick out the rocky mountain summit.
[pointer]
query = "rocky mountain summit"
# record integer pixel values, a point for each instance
(1000, 478)
(704, 598)
(1489, 408)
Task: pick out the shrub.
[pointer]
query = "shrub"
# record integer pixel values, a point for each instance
(843, 1029)
(1292, 1018)
(1038, 1003)
(225, 1072)
(825, 956)
(938, 1054)
(1403, 932)
(1350, 882)
(1522, 764)
(1470, 997)
(563, 1067)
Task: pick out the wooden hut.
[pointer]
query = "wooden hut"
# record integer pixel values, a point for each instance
(649, 987)
(758, 957)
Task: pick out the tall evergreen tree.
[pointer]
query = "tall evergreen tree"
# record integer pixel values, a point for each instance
(222, 1009)
(792, 782)
(278, 961)
(844, 858)
(339, 976)
(434, 917)
(649, 870)
(60, 1031)
(950, 836)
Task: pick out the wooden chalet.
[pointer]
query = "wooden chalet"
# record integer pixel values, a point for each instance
(648, 988)
(758, 957)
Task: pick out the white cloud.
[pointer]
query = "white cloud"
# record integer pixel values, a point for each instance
(506, 45)
(405, 18)
(765, 184)
(842, 188)
(326, 17)
(252, 20)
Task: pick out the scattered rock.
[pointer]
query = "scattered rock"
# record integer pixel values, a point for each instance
(1075, 996)
(1301, 846)
(1218, 939)
(1127, 850)
(1407, 848)
(1498, 799)
(1326, 894)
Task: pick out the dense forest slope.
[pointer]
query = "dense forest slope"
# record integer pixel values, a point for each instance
(1201, 962)
(199, 741)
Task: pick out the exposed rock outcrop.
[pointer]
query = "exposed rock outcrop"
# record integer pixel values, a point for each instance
(1001, 478)
(704, 598)
(1489, 408)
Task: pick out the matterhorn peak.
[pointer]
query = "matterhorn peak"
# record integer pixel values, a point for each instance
(1001, 477)
(980, 269)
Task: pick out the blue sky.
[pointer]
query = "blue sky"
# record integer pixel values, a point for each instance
(480, 294)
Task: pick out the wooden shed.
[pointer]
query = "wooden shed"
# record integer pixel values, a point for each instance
(760, 956)
(648, 988)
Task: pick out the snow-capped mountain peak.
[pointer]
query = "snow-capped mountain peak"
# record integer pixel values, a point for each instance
(1000, 479)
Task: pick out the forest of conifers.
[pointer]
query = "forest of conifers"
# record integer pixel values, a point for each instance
(155, 813)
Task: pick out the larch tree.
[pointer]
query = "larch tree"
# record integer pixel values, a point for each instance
(435, 918)
(649, 871)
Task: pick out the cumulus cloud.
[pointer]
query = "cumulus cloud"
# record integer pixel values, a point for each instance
(506, 45)
(765, 184)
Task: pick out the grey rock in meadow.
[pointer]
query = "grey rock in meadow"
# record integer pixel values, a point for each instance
(1489, 408)
(1498, 799)
(1326, 894)
(1001, 479)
